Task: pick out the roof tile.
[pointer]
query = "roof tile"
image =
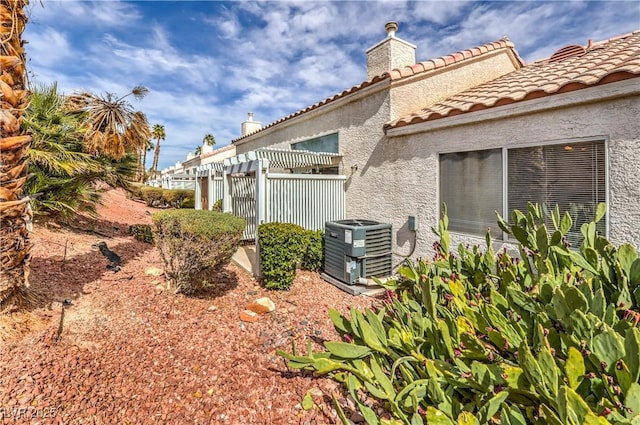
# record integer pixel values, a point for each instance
(603, 62)
(404, 72)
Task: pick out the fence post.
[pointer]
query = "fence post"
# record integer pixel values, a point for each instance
(261, 205)
(226, 191)
(198, 191)
(211, 201)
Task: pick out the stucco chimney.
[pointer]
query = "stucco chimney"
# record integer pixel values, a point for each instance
(390, 53)
(250, 126)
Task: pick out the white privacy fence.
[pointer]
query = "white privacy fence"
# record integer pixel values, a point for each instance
(208, 185)
(249, 190)
(174, 181)
(305, 199)
(243, 203)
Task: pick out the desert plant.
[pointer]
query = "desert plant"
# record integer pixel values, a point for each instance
(194, 244)
(141, 232)
(112, 127)
(481, 337)
(282, 247)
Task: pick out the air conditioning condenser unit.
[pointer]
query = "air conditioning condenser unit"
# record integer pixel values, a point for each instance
(357, 250)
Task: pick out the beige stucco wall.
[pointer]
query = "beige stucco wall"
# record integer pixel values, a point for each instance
(409, 163)
(411, 94)
(218, 155)
(389, 54)
(392, 178)
(358, 119)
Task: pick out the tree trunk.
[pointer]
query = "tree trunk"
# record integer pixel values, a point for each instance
(15, 211)
(156, 155)
(144, 165)
(139, 168)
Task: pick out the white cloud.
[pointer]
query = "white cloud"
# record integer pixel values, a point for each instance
(439, 12)
(208, 63)
(153, 58)
(49, 48)
(84, 13)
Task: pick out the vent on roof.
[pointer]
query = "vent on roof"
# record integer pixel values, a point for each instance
(567, 52)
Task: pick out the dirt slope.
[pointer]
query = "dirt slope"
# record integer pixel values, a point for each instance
(131, 352)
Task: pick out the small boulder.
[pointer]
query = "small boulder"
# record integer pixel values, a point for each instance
(154, 271)
(262, 305)
(249, 316)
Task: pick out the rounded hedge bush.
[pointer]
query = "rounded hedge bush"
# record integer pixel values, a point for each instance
(282, 247)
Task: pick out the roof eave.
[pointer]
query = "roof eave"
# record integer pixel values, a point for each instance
(589, 94)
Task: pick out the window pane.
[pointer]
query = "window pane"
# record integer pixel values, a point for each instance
(571, 176)
(328, 143)
(471, 187)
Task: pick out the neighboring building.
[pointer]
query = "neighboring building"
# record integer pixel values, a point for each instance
(217, 155)
(182, 175)
(481, 131)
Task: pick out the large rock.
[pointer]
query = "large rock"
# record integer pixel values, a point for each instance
(262, 305)
(249, 316)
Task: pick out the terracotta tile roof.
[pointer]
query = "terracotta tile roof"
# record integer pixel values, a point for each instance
(404, 72)
(451, 59)
(570, 68)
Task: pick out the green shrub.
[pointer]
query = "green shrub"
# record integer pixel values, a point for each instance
(153, 196)
(188, 203)
(164, 198)
(217, 206)
(134, 191)
(313, 258)
(141, 232)
(194, 244)
(282, 247)
(177, 197)
(479, 337)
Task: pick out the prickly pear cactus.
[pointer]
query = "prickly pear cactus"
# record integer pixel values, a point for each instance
(549, 336)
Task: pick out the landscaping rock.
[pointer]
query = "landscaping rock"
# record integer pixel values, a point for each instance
(249, 316)
(262, 305)
(154, 271)
(131, 353)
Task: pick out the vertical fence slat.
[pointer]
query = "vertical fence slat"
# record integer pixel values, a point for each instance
(308, 201)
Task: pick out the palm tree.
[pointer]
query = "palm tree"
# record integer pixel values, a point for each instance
(62, 175)
(209, 140)
(198, 150)
(158, 134)
(15, 211)
(148, 148)
(113, 127)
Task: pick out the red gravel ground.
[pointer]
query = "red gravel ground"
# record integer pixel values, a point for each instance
(131, 352)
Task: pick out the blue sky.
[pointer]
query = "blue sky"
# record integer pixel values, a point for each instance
(208, 63)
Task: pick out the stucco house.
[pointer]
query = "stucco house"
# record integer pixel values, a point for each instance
(481, 131)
